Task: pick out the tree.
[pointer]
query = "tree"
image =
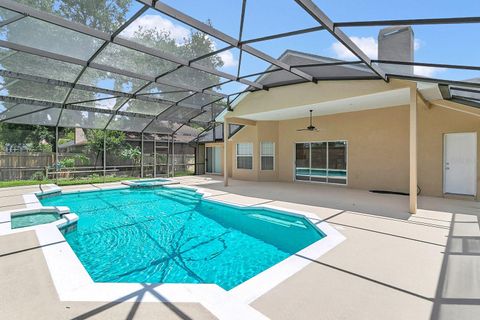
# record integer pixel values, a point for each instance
(132, 153)
(113, 144)
(35, 138)
(107, 16)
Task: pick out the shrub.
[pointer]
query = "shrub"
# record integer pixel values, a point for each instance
(67, 163)
(39, 176)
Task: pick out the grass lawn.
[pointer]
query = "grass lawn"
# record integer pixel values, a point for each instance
(62, 182)
(71, 182)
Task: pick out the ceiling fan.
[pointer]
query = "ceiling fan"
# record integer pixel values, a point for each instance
(311, 127)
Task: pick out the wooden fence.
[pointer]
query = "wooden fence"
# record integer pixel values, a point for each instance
(23, 165)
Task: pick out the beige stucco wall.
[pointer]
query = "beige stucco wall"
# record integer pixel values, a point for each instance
(265, 131)
(377, 142)
(310, 93)
(378, 146)
(433, 124)
(378, 139)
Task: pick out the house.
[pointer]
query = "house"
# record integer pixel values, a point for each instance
(403, 135)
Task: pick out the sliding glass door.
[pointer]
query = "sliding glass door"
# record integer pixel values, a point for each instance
(318, 171)
(213, 160)
(337, 162)
(323, 161)
(302, 161)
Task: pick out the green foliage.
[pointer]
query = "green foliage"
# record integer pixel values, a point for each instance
(64, 182)
(81, 159)
(114, 140)
(196, 126)
(68, 135)
(184, 173)
(17, 183)
(70, 162)
(36, 138)
(107, 16)
(77, 181)
(131, 153)
(67, 163)
(38, 176)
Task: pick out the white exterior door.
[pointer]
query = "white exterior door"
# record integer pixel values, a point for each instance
(460, 163)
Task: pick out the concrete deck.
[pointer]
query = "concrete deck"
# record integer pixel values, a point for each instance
(391, 266)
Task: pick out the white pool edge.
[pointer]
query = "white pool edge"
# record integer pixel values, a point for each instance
(73, 283)
(137, 182)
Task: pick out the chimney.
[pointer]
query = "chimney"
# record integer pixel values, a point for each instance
(396, 43)
(79, 137)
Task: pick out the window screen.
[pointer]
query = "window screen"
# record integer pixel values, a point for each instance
(244, 156)
(267, 155)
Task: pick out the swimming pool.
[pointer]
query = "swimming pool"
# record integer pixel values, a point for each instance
(171, 235)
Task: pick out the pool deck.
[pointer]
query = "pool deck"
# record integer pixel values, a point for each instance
(391, 266)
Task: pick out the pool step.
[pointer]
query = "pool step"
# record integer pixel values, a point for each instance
(183, 198)
(180, 200)
(180, 193)
(185, 191)
(281, 222)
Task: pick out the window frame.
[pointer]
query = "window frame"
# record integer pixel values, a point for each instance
(264, 155)
(237, 155)
(327, 169)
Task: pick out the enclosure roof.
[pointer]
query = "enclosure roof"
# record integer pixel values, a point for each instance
(152, 67)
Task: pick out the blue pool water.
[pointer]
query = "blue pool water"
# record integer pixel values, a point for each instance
(150, 182)
(28, 220)
(170, 235)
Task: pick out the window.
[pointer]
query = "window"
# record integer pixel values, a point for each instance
(267, 156)
(244, 156)
(321, 162)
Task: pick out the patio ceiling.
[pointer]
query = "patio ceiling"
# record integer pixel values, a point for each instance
(385, 99)
(104, 67)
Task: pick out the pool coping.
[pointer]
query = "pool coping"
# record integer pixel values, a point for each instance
(67, 218)
(73, 283)
(134, 183)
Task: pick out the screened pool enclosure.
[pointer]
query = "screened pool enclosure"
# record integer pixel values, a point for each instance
(162, 71)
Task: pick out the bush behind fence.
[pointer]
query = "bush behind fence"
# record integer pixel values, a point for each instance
(25, 165)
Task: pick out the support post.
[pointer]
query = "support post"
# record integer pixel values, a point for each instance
(195, 160)
(168, 156)
(104, 154)
(413, 150)
(155, 156)
(225, 158)
(141, 160)
(173, 155)
(57, 167)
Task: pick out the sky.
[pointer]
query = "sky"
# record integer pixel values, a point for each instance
(448, 44)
